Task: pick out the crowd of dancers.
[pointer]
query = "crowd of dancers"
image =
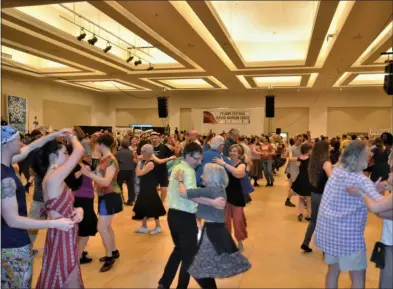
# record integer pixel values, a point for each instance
(202, 183)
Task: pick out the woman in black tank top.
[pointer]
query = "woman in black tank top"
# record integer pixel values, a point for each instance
(319, 170)
(234, 209)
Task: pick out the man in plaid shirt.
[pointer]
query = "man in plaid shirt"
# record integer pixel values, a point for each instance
(342, 218)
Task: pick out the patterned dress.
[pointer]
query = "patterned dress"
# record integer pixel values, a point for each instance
(61, 255)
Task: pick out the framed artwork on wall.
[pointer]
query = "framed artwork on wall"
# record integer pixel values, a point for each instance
(17, 113)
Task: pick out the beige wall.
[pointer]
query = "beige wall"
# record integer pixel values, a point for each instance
(357, 119)
(293, 120)
(127, 116)
(62, 114)
(311, 107)
(37, 91)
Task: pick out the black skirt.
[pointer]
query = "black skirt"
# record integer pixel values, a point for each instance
(88, 226)
(113, 204)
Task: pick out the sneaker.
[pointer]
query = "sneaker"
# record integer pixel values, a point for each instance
(155, 231)
(199, 234)
(256, 185)
(115, 255)
(300, 217)
(142, 230)
(128, 203)
(308, 219)
(306, 248)
(109, 261)
(289, 204)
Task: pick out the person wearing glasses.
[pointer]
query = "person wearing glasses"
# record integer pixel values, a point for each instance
(182, 218)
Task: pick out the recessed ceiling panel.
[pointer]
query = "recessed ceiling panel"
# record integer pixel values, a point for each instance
(54, 15)
(12, 56)
(383, 58)
(368, 79)
(269, 31)
(107, 85)
(187, 83)
(278, 81)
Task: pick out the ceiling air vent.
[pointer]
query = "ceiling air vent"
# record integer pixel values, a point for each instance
(6, 55)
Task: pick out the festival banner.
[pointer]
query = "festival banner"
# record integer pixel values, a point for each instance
(226, 116)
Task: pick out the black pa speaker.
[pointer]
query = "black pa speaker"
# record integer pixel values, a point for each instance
(162, 107)
(269, 106)
(278, 131)
(388, 81)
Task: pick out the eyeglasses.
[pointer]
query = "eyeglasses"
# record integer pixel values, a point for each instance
(197, 159)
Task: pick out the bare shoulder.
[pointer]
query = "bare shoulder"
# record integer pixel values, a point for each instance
(8, 188)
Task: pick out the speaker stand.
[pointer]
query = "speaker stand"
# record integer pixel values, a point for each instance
(269, 125)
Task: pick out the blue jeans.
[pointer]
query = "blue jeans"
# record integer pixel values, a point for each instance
(267, 167)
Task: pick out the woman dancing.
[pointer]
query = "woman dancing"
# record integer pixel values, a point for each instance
(301, 186)
(60, 266)
(109, 197)
(148, 204)
(319, 170)
(83, 191)
(16, 248)
(217, 256)
(234, 210)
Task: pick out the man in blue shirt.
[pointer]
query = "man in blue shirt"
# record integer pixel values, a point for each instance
(217, 145)
(231, 139)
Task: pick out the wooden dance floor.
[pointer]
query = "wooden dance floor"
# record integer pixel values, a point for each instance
(273, 248)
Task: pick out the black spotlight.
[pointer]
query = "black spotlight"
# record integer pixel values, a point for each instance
(93, 40)
(107, 48)
(137, 62)
(82, 35)
(150, 67)
(130, 58)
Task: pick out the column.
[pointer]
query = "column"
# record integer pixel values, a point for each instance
(318, 120)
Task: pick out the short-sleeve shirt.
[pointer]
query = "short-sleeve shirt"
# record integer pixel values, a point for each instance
(175, 201)
(125, 158)
(342, 218)
(162, 152)
(100, 170)
(13, 237)
(206, 212)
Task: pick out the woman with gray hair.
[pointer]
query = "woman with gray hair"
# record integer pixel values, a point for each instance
(217, 256)
(148, 204)
(342, 218)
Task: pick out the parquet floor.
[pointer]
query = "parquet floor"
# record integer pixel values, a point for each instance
(273, 248)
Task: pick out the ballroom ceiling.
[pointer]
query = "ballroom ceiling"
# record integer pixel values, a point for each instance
(198, 45)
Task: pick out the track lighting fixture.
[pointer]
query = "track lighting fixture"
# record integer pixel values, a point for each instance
(130, 58)
(108, 47)
(151, 67)
(93, 40)
(82, 35)
(137, 62)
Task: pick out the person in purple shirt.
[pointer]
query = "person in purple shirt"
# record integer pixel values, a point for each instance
(83, 191)
(217, 146)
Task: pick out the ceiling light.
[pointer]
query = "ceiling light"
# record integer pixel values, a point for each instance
(137, 62)
(93, 40)
(341, 89)
(108, 47)
(82, 35)
(151, 67)
(130, 58)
